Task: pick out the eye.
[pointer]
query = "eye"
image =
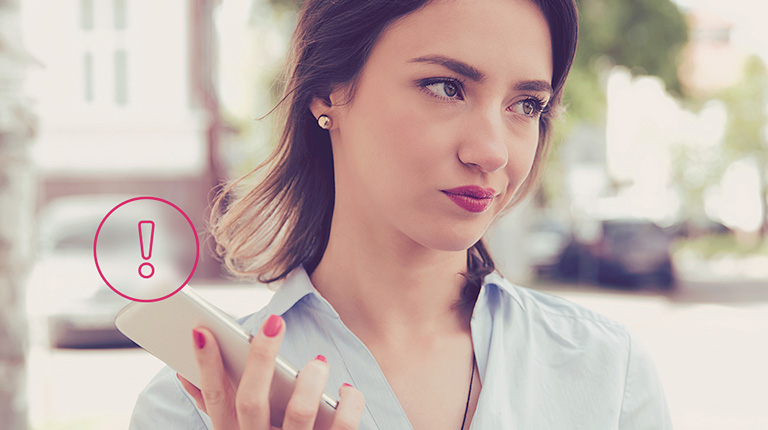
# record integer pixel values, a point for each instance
(443, 88)
(530, 107)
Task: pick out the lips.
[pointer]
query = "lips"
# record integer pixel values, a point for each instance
(471, 198)
(473, 191)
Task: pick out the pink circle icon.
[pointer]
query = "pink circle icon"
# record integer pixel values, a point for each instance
(146, 249)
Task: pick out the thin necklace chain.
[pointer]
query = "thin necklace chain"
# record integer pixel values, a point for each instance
(469, 394)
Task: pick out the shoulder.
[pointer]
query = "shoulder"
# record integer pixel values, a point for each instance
(574, 345)
(557, 315)
(542, 328)
(165, 404)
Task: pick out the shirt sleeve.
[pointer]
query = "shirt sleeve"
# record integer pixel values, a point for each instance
(164, 404)
(644, 406)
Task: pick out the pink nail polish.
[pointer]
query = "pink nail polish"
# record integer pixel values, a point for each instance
(273, 325)
(346, 385)
(321, 358)
(199, 339)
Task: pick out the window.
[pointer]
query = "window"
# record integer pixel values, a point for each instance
(121, 77)
(120, 14)
(86, 14)
(88, 76)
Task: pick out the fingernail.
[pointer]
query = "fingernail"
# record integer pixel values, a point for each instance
(199, 339)
(346, 385)
(321, 358)
(273, 325)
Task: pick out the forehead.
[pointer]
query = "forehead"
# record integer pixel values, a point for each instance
(506, 39)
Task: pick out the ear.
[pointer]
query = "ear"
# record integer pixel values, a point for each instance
(319, 107)
(339, 98)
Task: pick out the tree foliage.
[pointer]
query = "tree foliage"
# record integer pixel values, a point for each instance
(746, 102)
(645, 36)
(746, 133)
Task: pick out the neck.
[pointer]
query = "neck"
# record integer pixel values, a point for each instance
(392, 291)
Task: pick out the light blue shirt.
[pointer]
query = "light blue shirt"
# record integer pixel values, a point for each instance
(544, 363)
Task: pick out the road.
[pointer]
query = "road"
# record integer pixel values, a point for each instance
(709, 341)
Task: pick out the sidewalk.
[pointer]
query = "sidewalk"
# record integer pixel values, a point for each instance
(730, 268)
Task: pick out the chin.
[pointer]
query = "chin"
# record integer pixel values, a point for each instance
(445, 241)
(446, 233)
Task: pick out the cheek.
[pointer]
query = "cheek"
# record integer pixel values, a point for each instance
(521, 159)
(404, 141)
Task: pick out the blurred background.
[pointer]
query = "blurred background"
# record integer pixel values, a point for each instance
(652, 210)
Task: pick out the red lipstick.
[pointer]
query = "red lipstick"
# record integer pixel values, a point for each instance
(472, 197)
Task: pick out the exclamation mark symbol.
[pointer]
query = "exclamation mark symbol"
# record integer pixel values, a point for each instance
(146, 237)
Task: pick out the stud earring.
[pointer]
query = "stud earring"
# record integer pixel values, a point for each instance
(324, 121)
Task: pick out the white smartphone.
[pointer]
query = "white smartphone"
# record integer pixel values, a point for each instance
(164, 329)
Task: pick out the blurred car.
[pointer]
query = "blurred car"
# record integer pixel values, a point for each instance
(624, 252)
(693, 228)
(65, 288)
(546, 240)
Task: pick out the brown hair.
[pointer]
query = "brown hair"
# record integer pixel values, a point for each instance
(284, 221)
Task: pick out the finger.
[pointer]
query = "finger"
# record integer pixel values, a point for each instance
(193, 391)
(301, 411)
(216, 389)
(350, 409)
(252, 399)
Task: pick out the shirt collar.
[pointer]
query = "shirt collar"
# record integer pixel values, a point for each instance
(494, 287)
(296, 287)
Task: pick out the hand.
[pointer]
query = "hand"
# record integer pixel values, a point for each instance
(249, 408)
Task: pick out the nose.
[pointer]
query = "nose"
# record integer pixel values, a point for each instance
(483, 144)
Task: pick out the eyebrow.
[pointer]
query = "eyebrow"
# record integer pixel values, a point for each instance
(476, 75)
(535, 85)
(455, 65)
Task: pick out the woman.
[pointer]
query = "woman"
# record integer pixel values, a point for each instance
(411, 126)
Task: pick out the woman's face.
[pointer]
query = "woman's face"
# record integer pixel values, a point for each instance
(450, 97)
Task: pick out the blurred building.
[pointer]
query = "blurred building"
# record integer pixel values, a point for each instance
(126, 100)
(710, 62)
